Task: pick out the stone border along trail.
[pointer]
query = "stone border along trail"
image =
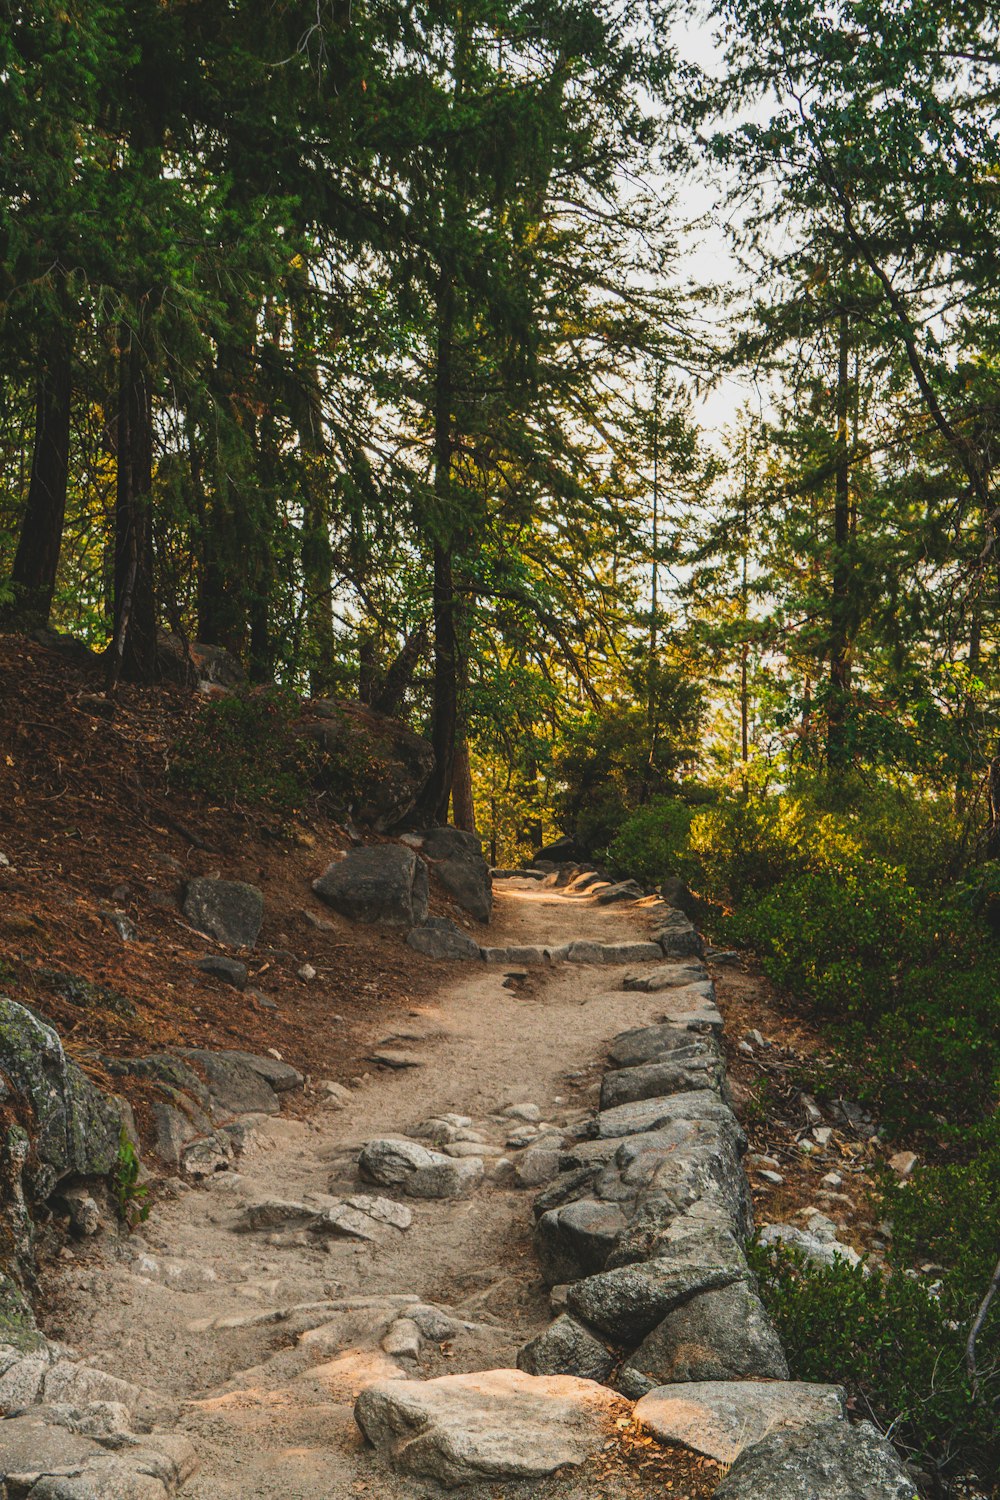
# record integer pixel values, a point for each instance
(356, 1308)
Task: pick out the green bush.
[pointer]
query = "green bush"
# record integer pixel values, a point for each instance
(652, 843)
(243, 750)
(890, 1341)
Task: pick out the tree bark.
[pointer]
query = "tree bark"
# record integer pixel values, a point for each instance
(838, 712)
(389, 699)
(134, 648)
(36, 561)
(462, 801)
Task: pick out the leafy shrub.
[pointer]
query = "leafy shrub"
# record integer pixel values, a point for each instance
(890, 1341)
(131, 1195)
(652, 843)
(243, 749)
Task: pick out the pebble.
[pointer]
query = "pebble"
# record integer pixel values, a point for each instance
(832, 1180)
(774, 1178)
(306, 971)
(903, 1163)
(822, 1134)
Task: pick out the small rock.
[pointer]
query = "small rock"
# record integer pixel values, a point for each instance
(774, 1178)
(811, 1110)
(821, 1135)
(402, 1341)
(335, 1093)
(387, 1057)
(306, 971)
(528, 1112)
(228, 910)
(536, 1167)
(756, 1159)
(229, 970)
(567, 1347)
(832, 1180)
(903, 1163)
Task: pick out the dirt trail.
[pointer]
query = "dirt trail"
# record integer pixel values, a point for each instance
(268, 1404)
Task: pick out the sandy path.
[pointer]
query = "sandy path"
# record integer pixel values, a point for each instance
(269, 1406)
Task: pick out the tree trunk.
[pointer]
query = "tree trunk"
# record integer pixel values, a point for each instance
(36, 561)
(462, 802)
(134, 648)
(437, 793)
(400, 674)
(838, 728)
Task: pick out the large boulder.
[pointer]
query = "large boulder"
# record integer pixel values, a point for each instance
(385, 884)
(720, 1418)
(190, 662)
(376, 766)
(823, 1461)
(231, 911)
(723, 1333)
(457, 860)
(495, 1424)
(77, 1128)
(563, 851)
(628, 1302)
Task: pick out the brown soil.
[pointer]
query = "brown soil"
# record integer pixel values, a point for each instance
(89, 823)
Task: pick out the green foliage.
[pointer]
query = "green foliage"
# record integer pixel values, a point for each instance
(130, 1194)
(243, 750)
(612, 761)
(891, 1341)
(652, 843)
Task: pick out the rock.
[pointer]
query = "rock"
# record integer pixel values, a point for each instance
(335, 1093)
(565, 850)
(450, 1177)
(462, 1429)
(235, 1087)
(575, 1240)
(665, 977)
(629, 1302)
(832, 1180)
(624, 890)
(439, 937)
(821, 1461)
(84, 1214)
(433, 1322)
(696, 1067)
(229, 970)
(582, 952)
(821, 1135)
(648, 1044)
(402, 1340)
(65, 1452)
(903, 1163)
(722, 1418)
(121, 922)
(774, 1179)
(517, 955)
(457, 861)
(228, 910)
(820, 1249)
(535, 1167)
(205, 1157)
(306, 972)
(650, 1114)
(390, 765)
(194, 662)
(390, 1160)
(281, 1076)
(567, 1348)
(678, 937)
(77, 1128)
(385, 884)
(421, 1173)
(811, 1110)
(720, 1334)
(529, 1112)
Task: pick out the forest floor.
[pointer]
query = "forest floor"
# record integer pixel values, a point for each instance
(269, 1405)
(90, 825)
